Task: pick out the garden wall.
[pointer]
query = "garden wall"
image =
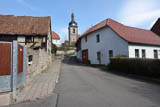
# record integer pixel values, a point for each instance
(38, 61)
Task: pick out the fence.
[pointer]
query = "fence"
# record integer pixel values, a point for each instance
(12, 66)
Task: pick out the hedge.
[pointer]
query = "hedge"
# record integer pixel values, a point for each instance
(145, 67)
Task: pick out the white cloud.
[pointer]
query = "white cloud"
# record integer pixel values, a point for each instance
(153, 22)
(63, 34)
(139, 12)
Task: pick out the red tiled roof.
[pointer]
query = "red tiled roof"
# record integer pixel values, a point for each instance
(55, 36)
(130, 34)
(24, 25)
(156, 27)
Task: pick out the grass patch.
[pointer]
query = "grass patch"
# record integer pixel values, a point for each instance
(102, 67)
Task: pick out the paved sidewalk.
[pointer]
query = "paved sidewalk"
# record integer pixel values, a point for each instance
(42, 85)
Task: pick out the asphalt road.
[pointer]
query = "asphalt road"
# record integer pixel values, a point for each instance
(83, 86)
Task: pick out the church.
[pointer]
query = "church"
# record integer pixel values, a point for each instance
(73, 30)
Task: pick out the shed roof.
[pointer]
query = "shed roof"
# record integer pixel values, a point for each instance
(24, 25)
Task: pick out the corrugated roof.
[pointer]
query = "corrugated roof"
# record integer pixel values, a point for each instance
(130, 34)
(24, 25)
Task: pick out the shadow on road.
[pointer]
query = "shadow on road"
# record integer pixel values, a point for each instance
(72, 61)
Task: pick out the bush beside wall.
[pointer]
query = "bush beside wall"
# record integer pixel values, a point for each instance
(145, 67)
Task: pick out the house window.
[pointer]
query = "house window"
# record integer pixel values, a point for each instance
(110, 53)
(86, 38)
(98, 55)
(155, 54)
(98, 38)
(74, 30)
(137, 53)
(29, 39)
(143, 53)
(30, 58)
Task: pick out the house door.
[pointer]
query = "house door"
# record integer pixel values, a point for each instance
(85, 56)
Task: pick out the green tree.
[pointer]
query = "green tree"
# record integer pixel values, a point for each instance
(54, 49)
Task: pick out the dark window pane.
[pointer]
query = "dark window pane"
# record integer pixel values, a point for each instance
(155, 54)
(74, 30)
(29, 39)
(98, 55)
(98, 38)
(110, 53)
(30, 58)
(137, 53)
(143, 53)
(86, 38)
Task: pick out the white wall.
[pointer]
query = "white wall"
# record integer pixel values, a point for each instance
(49, 42)
(56, 42)
(149, 50)
(21, 39)
(109, 40)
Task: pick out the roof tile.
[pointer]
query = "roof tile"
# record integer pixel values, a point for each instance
(24, 25)
(55, 36)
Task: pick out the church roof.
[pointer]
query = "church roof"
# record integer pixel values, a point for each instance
(130, 34)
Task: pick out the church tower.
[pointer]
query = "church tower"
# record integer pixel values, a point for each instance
(73, 30)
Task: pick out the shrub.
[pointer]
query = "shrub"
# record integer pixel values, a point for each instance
(54, 49)
(89, 62)
(121, 56)
(145, 67)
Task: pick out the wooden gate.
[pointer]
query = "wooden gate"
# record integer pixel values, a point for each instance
(12, 66)
(5, 66)
(85, 56)
(20, 59)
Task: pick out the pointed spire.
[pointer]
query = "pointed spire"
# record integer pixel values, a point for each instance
(72, 17)
(72, 23)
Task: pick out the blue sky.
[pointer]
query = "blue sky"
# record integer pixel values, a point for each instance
(136, 13)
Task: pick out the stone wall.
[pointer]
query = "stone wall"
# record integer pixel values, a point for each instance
(40, 62)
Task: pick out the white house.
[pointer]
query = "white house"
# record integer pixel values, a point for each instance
(110, 38)
(56, 39)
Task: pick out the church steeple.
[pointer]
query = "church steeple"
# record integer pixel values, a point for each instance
(72, 23)
(73, 30)
(72, 17)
